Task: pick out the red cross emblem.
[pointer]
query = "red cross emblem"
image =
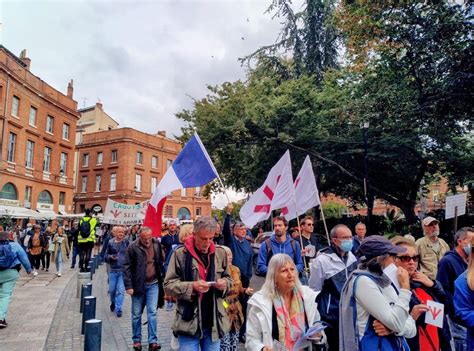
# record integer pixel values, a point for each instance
(269, 194)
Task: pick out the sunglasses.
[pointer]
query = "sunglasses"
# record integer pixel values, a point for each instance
(408, 258)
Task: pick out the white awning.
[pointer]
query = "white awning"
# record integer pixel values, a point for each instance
(48, 214)
(18, 212)
(70, 215)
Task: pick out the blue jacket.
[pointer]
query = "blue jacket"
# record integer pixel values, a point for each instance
(242, 252)
(119, 250)
(277, 247)
(20, 257)
(450, 267)
(464, 307)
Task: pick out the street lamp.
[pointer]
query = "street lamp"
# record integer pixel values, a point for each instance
(365, 127)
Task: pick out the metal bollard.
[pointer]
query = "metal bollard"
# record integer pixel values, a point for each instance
(89, 310)
(92, 267)
(96, 261)
(90, 271)
(85, 291)
(82, 278)
(93, 335)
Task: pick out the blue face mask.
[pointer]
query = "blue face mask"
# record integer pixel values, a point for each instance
(467, 249)
(346, 245)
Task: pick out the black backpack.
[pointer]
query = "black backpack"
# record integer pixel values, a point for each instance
(268, 244)
(85, 228)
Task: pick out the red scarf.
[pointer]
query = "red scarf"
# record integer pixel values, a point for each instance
(428, 334)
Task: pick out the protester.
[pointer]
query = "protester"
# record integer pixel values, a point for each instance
(172, 238)
(12, 257)
(282, 310)
(242, 254)
(106, 238)
(360, 230)
(115, 256)
(218, 236)
(143, 279)
(429, 337)
(61, 250)
(451, 266)
(328, 273)
(86, 239)
(311, 241)
(430, 247)
(36, 243)
(198, 277)
(464, 299)
(230, 342)
(279, 242)
(48, 248)
(373, 316)
(75, 247)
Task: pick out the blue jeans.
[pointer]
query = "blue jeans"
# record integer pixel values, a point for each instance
(59, 261)
(188, 343)
(459, 335)
(116, 290)
(8, 278)
(75, 253)
(150, 300)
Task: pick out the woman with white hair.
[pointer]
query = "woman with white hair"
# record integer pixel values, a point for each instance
(282, 311)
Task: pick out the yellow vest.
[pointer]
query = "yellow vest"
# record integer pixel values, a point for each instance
(92, 223)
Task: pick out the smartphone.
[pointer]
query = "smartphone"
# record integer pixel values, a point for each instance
(211, 283)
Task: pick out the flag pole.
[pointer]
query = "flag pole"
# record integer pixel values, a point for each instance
(301, 242)
(324, 222)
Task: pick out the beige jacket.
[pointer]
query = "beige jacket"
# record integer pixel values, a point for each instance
(64, 247)
(429, 258)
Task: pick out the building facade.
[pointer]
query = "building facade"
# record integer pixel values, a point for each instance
(127, 165)
(37, 138)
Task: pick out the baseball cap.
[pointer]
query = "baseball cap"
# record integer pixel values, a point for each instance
(428, 220)
(377, 245)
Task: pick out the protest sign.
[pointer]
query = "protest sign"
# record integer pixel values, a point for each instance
(117, 213)
(435, 314)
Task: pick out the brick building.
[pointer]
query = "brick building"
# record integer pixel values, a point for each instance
(37, 137)
(127, 165)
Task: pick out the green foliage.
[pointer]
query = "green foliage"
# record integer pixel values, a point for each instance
(334, 210)
(220, 213)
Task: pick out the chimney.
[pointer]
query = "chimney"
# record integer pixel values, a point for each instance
(24, 59)
(98, 105)
(162, 133)
(70, 88)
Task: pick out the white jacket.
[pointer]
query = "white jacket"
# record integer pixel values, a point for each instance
(259, 318)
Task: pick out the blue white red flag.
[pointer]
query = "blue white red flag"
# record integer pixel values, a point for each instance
(193, 167)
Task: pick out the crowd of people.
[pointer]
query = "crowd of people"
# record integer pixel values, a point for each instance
(357, 293)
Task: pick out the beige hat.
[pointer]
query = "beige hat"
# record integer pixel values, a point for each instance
(428, 220)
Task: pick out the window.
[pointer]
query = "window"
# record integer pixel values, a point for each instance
(153, 184)
(32, 118)
(183, 192)
(113, 181)
(15, 106)
(11, 147)
(114, 156)
(198, 191)
(168, 211)
(168, 163)
(9, 192)
(47, 159)
(65, 131)
(435, 195)
(198, 211)
(84, 184)
(154, 162)
(30, 151)
(45, 197)
(98, 182)
(62, 198)
(50, 124)
(139, 159)
(138, 182)
(100, 157)
(63, 164)
(85, 160)
(28, 191)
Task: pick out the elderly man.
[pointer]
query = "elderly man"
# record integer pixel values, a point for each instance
(360, 230)
(328, 273)
(199, 278)
(143, 278)
(431, 248)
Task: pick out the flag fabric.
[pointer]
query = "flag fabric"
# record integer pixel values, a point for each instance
(193, 167)
(306, 190)
(277, 192)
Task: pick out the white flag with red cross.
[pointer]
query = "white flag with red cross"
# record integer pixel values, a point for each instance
(277, 192)
(306, 190)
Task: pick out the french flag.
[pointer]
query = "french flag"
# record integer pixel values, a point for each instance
(193, 167)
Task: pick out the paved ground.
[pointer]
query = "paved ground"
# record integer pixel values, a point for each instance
(44, 315)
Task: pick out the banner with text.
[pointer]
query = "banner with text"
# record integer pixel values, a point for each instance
(124, 214)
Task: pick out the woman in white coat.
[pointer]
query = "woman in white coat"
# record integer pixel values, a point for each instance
(282, 311)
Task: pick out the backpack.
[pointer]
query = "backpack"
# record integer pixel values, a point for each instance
(268, 244)
(7, 256)
(85, 228)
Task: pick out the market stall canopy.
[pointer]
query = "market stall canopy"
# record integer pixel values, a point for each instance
(48, 214)
(19, 212)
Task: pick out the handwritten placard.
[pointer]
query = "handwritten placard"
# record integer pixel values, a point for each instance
(454, 201)
(435, 314)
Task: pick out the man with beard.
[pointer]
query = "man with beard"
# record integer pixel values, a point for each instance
(431, 248)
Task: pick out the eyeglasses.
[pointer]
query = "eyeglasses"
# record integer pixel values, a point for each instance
(408, 258)
(310, 224)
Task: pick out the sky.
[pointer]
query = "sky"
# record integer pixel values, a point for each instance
(144, 60)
